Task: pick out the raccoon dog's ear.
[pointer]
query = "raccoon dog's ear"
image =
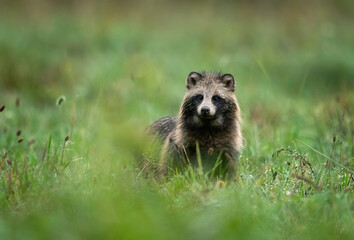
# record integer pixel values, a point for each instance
(228, 81)
(192, 79)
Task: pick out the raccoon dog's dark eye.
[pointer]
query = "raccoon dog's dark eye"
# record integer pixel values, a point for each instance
(199, 97)
(216, 98)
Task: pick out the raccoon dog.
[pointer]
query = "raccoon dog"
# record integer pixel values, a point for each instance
(207, 127)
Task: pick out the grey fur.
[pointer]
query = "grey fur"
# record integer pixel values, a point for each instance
(216, 128)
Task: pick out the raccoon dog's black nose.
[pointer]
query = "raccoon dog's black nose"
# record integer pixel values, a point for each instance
(205, 110)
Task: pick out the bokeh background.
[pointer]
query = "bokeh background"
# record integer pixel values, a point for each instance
(120, 65)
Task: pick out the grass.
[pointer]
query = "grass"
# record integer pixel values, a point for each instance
(122, 66)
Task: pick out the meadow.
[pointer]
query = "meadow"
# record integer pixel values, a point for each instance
(81, 80)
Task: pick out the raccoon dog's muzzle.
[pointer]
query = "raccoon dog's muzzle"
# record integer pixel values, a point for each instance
(206, 110)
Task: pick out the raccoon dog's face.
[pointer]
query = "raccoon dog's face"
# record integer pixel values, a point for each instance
(209, 101)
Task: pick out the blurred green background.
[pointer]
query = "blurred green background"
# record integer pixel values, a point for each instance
(120, 65)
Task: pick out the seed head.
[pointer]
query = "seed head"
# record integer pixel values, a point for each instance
(20, 140)
(334, 139)
(66, 138)
(18, 133)
(327, 164)
(31, 142)
(2, 108)
(60, 100)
